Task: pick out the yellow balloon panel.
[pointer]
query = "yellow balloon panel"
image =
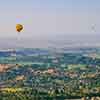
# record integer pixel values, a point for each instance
(19, 27)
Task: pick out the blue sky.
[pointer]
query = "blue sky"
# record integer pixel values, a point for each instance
(43, 18)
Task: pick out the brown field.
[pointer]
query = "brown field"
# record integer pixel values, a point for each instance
(4, 67)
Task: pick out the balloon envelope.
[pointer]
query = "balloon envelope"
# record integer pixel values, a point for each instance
(19, 27)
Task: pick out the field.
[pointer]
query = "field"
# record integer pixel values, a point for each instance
(40, 74)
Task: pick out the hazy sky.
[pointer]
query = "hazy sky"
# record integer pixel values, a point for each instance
(49, 17)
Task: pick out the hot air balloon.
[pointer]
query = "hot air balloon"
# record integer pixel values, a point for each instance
(19, 27)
